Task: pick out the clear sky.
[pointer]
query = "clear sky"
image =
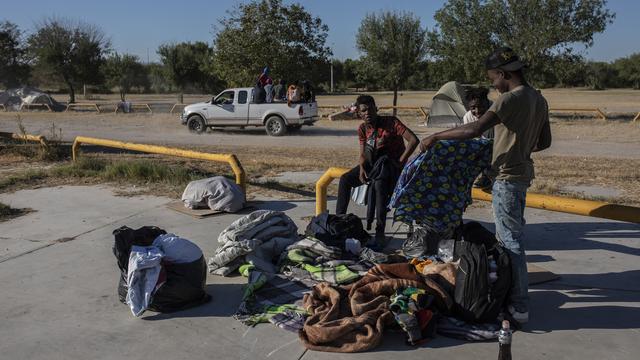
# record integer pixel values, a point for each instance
(140, 26)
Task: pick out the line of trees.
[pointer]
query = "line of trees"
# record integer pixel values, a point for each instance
(597, 75)
(397, 52)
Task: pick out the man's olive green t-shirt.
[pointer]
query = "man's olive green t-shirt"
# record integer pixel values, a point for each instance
(523, 112)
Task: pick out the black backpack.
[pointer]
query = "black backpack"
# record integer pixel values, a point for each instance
(333, 230)
(477, 300)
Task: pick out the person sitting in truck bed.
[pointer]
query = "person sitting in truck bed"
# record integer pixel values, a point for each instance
(259, 95)
(308, 94)
(264, 78)
(280, 91)
(293, 94)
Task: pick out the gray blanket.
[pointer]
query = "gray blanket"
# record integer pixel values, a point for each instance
(258, 238)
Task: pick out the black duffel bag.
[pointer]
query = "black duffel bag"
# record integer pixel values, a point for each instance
(185, 283)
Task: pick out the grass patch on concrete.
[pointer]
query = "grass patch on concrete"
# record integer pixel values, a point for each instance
(24, 178)
(146, 171)
(7, 212)
(147, 175)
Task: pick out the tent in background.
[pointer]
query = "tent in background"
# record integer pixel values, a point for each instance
(448, 106)
(13, 99)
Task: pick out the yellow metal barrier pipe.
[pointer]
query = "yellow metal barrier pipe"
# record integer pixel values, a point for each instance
(231, 159)
(574, 206)
(322, 184)
(539, 201)
(26, 137)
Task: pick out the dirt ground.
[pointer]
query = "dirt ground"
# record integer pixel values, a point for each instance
(611, 100)
(585, 152)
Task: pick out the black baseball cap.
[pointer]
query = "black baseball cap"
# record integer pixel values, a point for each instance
(503, 58)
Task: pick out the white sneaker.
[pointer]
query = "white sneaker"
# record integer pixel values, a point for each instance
(520, 317)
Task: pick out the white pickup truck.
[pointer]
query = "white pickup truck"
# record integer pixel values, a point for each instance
(234, 107)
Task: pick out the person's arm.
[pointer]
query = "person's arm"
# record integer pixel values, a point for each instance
(467, 131)
(362, 140)
(544, 140)
(412, 143)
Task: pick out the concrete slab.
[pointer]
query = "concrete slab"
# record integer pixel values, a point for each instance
(63, 213)
(594, 190)
(60, 301)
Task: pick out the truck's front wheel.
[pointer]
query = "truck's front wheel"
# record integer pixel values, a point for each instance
(196, 124)
(275, 126)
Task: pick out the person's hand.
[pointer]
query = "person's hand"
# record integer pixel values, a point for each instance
(363, 175)
(427, 143)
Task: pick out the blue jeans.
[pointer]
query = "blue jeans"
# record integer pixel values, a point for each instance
(508, 212)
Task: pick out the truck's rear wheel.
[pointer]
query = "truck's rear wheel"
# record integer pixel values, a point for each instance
(275, 126)
(196, 124)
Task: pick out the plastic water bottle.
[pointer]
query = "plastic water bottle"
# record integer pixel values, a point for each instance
(504, 341)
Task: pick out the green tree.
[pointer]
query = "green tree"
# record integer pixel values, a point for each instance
(189, 64)
(124, 72)
(14, 67)
(268, 33)
(600, 75)
(628, 69)
(462, 38)
(157, 81)
(70, 51)
(565, 70)
(349, 69)
(541, 31)
(420, 78)
(393, 45)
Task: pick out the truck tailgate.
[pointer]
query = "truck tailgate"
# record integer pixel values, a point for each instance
(309, 109)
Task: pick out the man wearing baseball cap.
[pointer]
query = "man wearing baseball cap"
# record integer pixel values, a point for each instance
(520, 117)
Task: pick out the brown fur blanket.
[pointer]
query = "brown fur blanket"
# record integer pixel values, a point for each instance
(352, 318)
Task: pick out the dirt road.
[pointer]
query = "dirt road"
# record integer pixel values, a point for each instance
(571, 138)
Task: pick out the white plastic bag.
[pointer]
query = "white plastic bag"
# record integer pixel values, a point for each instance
(359, 194)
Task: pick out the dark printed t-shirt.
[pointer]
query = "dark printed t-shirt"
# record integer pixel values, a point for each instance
(389, 140)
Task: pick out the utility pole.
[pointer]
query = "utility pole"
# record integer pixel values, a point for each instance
(332, 77)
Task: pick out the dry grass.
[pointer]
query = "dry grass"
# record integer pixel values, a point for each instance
(555, 173)
(168, 176)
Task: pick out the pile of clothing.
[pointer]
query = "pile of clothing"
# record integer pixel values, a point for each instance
(158, 271)
(451, 278)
